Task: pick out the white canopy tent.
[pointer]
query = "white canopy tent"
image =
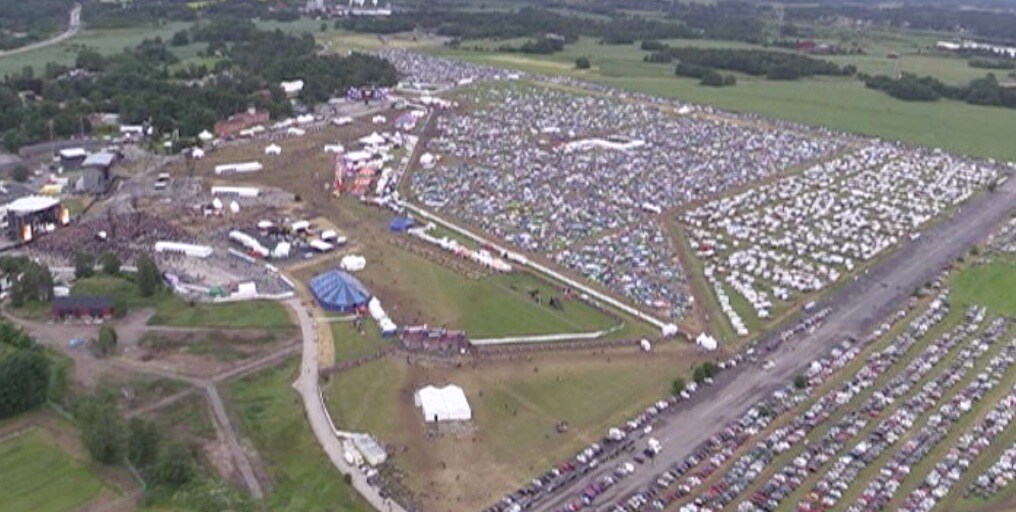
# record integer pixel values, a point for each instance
(443, 404)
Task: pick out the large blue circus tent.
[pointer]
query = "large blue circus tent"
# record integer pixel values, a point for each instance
(337, 290)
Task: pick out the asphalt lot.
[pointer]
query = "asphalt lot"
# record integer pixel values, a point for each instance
(857, 307)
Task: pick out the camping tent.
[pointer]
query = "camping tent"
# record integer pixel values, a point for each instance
(400, 224)
(707, 342)
(443, 404)
(353, 263)
(337, 290)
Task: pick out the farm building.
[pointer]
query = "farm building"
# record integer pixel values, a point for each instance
(81, 306)
(443, 404)
(337, 290)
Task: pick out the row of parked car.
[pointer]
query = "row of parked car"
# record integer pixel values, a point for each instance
(883, 488)
(673, 485)
(947, 472)
(619, 441)
(848, 467)
(997, 477)
(816, 453)
(752, 464)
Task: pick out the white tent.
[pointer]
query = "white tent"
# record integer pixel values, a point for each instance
(427, 161)
(205, 136)
(273, 149)
(707, 342)
(353, 263)
(372, 140)
(197, 153)
(443, 404)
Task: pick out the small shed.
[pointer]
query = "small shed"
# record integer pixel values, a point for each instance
(83, 306)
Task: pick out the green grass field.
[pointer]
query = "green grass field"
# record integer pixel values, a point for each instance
(172, 311)
(350, 344)
(36, 476)
(105, 41)
(515, 409)
(416, 290)
(990, 285)
(302, 478)
(840, 103)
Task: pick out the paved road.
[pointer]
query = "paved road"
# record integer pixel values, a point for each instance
(307, 385)
(73, 27)
(857, 307)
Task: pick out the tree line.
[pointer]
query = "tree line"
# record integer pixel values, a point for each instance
(986, 91)
(699, 62)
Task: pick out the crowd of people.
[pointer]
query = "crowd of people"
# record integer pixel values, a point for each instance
(803, 232)
(126, 234)
(512, 169)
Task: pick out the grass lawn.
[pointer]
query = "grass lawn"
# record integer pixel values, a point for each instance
(990, 285)
(105, 41)
(172, 311)
(271, 416)
(416, 290)
(515, 409)
(36, 476)
(840, 103)
(350, 344)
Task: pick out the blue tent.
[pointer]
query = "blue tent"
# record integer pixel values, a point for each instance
(337, 290)
(400, 224)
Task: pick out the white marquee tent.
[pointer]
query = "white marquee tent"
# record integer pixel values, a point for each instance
(443, 404)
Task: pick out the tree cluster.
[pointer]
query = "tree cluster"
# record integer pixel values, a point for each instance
(26, 22)
(26, 374)
(984, 91)
(695, 62)
(30, 282)
(138, 84)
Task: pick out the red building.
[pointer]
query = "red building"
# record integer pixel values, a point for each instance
(241, 121)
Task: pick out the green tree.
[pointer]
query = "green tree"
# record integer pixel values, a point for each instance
(20, 174)
(180, 38)
(712, 79)
(582, 63)
(24, 382)
(84, 265)
(800, 382)
(110, 263)
(175, 465)
(149, 278)
(699, 374)
(143, 441)
(710, 369)
(101, 425)
(677, 386)
(105, 344)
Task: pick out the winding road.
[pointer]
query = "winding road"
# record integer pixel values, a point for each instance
(73, 27)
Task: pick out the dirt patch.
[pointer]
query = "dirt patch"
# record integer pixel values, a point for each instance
(205, 353)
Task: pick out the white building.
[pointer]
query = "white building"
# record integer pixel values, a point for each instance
(443, 404)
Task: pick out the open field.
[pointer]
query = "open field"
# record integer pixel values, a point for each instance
(990, 284)
(515, 408)
(104, 41)
(174, 312)
(302, 477)
(839, 103)
(38, 476)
